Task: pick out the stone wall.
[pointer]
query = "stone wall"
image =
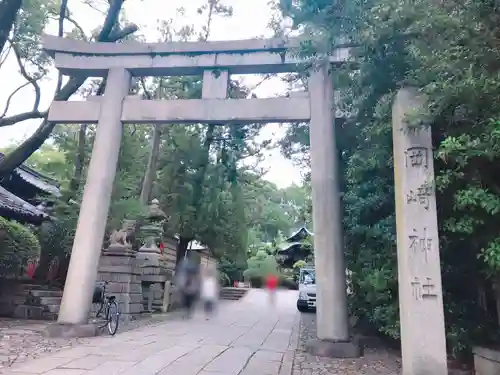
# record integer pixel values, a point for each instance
(12, 294)
(169, 254)
(124, 277)
(23, 300)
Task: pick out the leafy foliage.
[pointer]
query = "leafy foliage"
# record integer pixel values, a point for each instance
(18, 246)
(450, 50)
(260, 265)
(199, 171)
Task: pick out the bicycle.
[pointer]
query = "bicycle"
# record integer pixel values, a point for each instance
(108, 306)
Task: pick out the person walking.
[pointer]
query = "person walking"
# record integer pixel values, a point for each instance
(188, 284)
(209, 290)
(271, 286)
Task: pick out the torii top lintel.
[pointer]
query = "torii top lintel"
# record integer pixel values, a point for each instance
(251, 56)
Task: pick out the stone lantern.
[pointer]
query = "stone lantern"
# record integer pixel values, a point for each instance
(153, 274)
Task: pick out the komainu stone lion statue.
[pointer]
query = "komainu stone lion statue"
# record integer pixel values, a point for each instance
(124, 235)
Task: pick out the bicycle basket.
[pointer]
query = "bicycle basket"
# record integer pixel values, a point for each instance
(98, 296)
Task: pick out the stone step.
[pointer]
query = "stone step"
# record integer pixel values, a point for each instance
(46, 293)
(53, 308)
(232, 294)
(230, 298)
(50, 300)
(49, 315)
(234, 291)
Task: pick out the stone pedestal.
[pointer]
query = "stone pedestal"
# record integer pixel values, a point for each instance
(121, 270)
(423, 344)
(149, 257)
(153, 281)
(335, 349)
(153, 275)
(166, 297)
(72, 330)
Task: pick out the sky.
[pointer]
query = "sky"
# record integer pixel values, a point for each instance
(249, 20)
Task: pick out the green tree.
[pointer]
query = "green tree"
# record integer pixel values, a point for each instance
(25, 45)
(449, 50)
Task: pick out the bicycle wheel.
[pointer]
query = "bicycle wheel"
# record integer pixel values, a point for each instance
(113, 317)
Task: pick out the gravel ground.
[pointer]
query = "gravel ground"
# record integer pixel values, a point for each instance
(377, 360)
(21, 340)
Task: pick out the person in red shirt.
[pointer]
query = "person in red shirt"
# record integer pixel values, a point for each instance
(272, 285)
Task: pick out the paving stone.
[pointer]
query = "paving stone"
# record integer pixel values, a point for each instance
(65, 371)
(231, 361)
(77, 352)
(158, 361)
(193, 362)
(261, 367)
(39, 366)
(112, 368)
(267, 356)
(139, 354)
(287, 363)
(87, 362)
(245, 338)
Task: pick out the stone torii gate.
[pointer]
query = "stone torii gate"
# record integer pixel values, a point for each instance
(424, 348)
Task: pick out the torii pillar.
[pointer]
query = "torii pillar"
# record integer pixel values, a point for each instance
(82, 272)
(333, 331)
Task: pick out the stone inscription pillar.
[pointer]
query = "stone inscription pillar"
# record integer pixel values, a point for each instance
(82, 272)
(419, 273)
(332, 316)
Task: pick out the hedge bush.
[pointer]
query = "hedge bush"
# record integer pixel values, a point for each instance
(287, 283)
(18, 246)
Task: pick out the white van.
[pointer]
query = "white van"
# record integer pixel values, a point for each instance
(307, 288)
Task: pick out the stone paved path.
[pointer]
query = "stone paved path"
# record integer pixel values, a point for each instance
(247, 337)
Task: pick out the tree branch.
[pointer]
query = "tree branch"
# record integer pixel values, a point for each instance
(34, 113)
(77, 26)
(33, 143)
(8, 15)
(71, 20)
(4, 54)
(27, 77)
(7, 105)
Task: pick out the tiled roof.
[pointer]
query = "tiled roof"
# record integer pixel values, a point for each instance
(193, 245)
(298, 231)
(37, 179)
(11, 202)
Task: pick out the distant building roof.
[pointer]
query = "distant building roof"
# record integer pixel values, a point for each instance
(19, 209)
(299, 234)
(40, 181)
(193, 245)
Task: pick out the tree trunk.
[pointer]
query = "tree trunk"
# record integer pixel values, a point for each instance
(202, 169)
(182, 246)
(149, 176)
(33, 143)
(46, 253)
(8, 15)
(79, 161)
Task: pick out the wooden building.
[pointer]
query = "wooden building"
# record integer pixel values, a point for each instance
(22, 195)
(295, 248)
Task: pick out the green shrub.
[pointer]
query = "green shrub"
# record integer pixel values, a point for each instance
(256, 281)
(224, 279)
(288, 283)
(261, 265)
(18, 246)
